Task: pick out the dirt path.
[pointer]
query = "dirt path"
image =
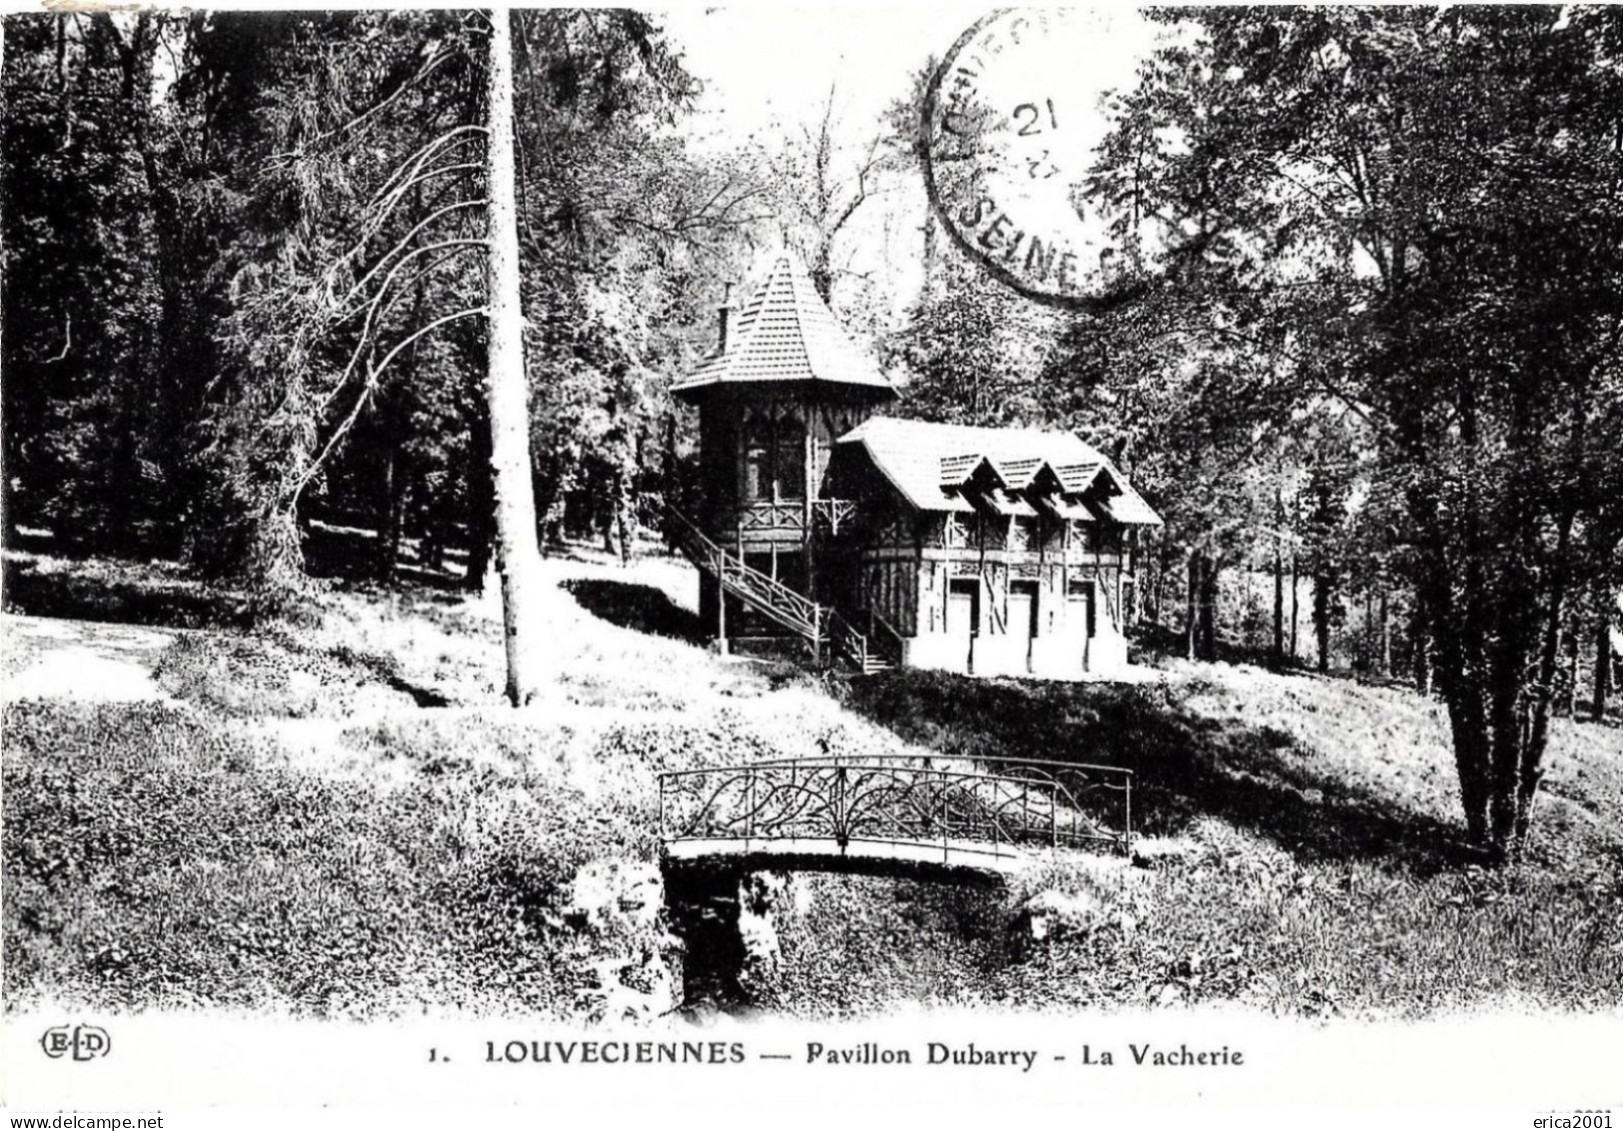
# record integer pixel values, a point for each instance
(49, 658)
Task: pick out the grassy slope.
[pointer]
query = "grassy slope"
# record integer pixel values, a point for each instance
(1323, 871)
(339, 821)
(342, 818)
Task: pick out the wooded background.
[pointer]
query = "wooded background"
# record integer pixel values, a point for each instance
(1372, 382)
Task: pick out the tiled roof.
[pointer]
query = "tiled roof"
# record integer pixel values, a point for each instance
(920, 459)
(1076, 476)
(786, 332)
(1128, 508)
(1018, 473)
(956, 470)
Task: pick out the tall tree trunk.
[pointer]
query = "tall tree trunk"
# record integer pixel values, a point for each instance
(397, 489)
(506, 388)
(1386, 628)
(1535, 732)
(1367, 645)
(1420, 647)
(1321, 619)
(1513, 755)
(394, 420)
(383, 549)
(1208, 610)
(1467, 714)
(1159, 592)
(1279, 610)
(1570, 699)
(1296, 585)
(622, 504)
(1603, 665)
(1279, 580)
(621, 531)
(481, 508)
(137, 54)
(1191, 630)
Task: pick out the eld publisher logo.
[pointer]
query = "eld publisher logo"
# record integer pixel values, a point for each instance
(82, 1042)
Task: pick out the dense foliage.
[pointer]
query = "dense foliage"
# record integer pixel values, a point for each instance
(1366, 360)
(269, 328)
(1383, 253)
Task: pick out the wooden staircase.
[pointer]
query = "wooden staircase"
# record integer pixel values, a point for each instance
(856, 648)
(827, 631)
(877, 650)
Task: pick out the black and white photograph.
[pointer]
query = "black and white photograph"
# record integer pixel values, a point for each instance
(1065, 554)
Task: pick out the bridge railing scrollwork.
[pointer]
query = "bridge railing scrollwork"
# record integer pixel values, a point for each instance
(987, 806)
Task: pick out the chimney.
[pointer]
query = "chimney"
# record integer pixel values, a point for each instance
(725, 320)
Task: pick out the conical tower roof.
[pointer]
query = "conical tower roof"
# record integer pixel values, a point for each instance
(786, 334)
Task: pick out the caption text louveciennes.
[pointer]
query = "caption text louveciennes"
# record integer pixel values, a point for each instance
(863, 1054)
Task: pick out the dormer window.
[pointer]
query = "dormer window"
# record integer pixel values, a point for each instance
(1022, 533)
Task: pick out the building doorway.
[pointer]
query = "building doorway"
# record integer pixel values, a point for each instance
(964, 615)
(1082, 601)
(1023, 613)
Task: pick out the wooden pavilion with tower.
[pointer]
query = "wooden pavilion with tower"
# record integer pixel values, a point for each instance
(881, 542)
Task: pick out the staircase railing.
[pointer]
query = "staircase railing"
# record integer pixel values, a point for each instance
(846, 642)
(795, 611)
(829, 515)
(884, 639)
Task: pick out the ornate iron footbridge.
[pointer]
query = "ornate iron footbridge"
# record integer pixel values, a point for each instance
(894, 814)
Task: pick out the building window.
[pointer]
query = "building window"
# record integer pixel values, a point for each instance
(774, 457)
(789, 458)
(757, 457)
(995, 532)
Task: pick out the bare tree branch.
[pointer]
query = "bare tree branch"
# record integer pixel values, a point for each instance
(376, 305)
(399, 245)
(413, 164)
(428, 67)
(368, 387)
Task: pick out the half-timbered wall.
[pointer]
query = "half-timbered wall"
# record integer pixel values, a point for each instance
(1067, 618)
(890, 588)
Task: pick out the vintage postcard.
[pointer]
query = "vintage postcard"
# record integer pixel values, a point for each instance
(885, 561)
